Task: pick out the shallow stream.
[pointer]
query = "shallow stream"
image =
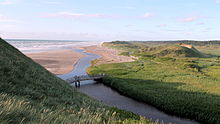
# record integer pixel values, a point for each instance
(112, 98)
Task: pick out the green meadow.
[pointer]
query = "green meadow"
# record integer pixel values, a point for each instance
(30, 94)
(178, 80)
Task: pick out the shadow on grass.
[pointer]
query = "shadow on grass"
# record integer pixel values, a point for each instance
(168, 96)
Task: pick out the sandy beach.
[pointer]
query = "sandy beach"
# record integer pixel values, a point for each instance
(57, 62)
(108, 55)
(63, 61)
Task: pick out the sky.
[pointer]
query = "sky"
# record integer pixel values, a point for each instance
(106, 20)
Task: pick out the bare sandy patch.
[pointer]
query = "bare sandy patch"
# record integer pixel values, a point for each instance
(108, 55)
(57, 62)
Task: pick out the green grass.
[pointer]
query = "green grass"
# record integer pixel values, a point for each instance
(210, 49)
(158, 50)
(31, 94)
(187, 87)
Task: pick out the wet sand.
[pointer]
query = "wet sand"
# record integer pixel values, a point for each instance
(63, 61)
(57, 62)
(108, 55)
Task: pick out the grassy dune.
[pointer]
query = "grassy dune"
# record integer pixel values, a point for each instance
(180, 85)
(31, 94)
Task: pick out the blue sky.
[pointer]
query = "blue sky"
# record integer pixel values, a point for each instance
(105, 20)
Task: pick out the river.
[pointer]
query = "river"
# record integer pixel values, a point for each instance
(111, 97)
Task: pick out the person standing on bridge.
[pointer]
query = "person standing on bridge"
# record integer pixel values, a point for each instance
(77, 81)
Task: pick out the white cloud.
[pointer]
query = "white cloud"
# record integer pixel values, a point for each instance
(147, 15)
(162, 25)
(72, 15)
(126, 7)
(201, 23)
(189, 19)
(51, 2)
(81, 15)
(130, 25)
(7, 2)
(217, 1)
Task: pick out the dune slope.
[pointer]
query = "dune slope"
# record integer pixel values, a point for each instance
(31, 94)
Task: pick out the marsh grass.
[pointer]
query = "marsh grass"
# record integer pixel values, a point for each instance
(184, 86)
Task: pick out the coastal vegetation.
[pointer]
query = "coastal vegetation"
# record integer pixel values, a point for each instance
(31, 94)
(172, 76)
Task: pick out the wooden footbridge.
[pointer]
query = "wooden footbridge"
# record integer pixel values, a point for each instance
(77, 79)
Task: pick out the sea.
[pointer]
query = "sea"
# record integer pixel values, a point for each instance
(35, 46)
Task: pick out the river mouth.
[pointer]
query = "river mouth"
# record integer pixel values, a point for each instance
(112, 98)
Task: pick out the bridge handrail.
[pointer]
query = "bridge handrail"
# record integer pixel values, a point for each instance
(86, 77)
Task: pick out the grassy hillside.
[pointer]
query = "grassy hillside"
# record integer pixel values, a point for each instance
(184, 86)
(31, 94)
(173, 51)
(152, 49)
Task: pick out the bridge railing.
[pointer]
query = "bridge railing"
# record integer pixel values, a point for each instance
(85, 77)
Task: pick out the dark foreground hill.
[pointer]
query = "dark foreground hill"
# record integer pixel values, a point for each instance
(31, 94)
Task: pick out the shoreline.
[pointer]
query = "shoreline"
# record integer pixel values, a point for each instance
(57, 61)
(63, 61)
(108, 55)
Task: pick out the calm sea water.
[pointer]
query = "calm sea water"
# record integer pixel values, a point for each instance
(32, 46)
